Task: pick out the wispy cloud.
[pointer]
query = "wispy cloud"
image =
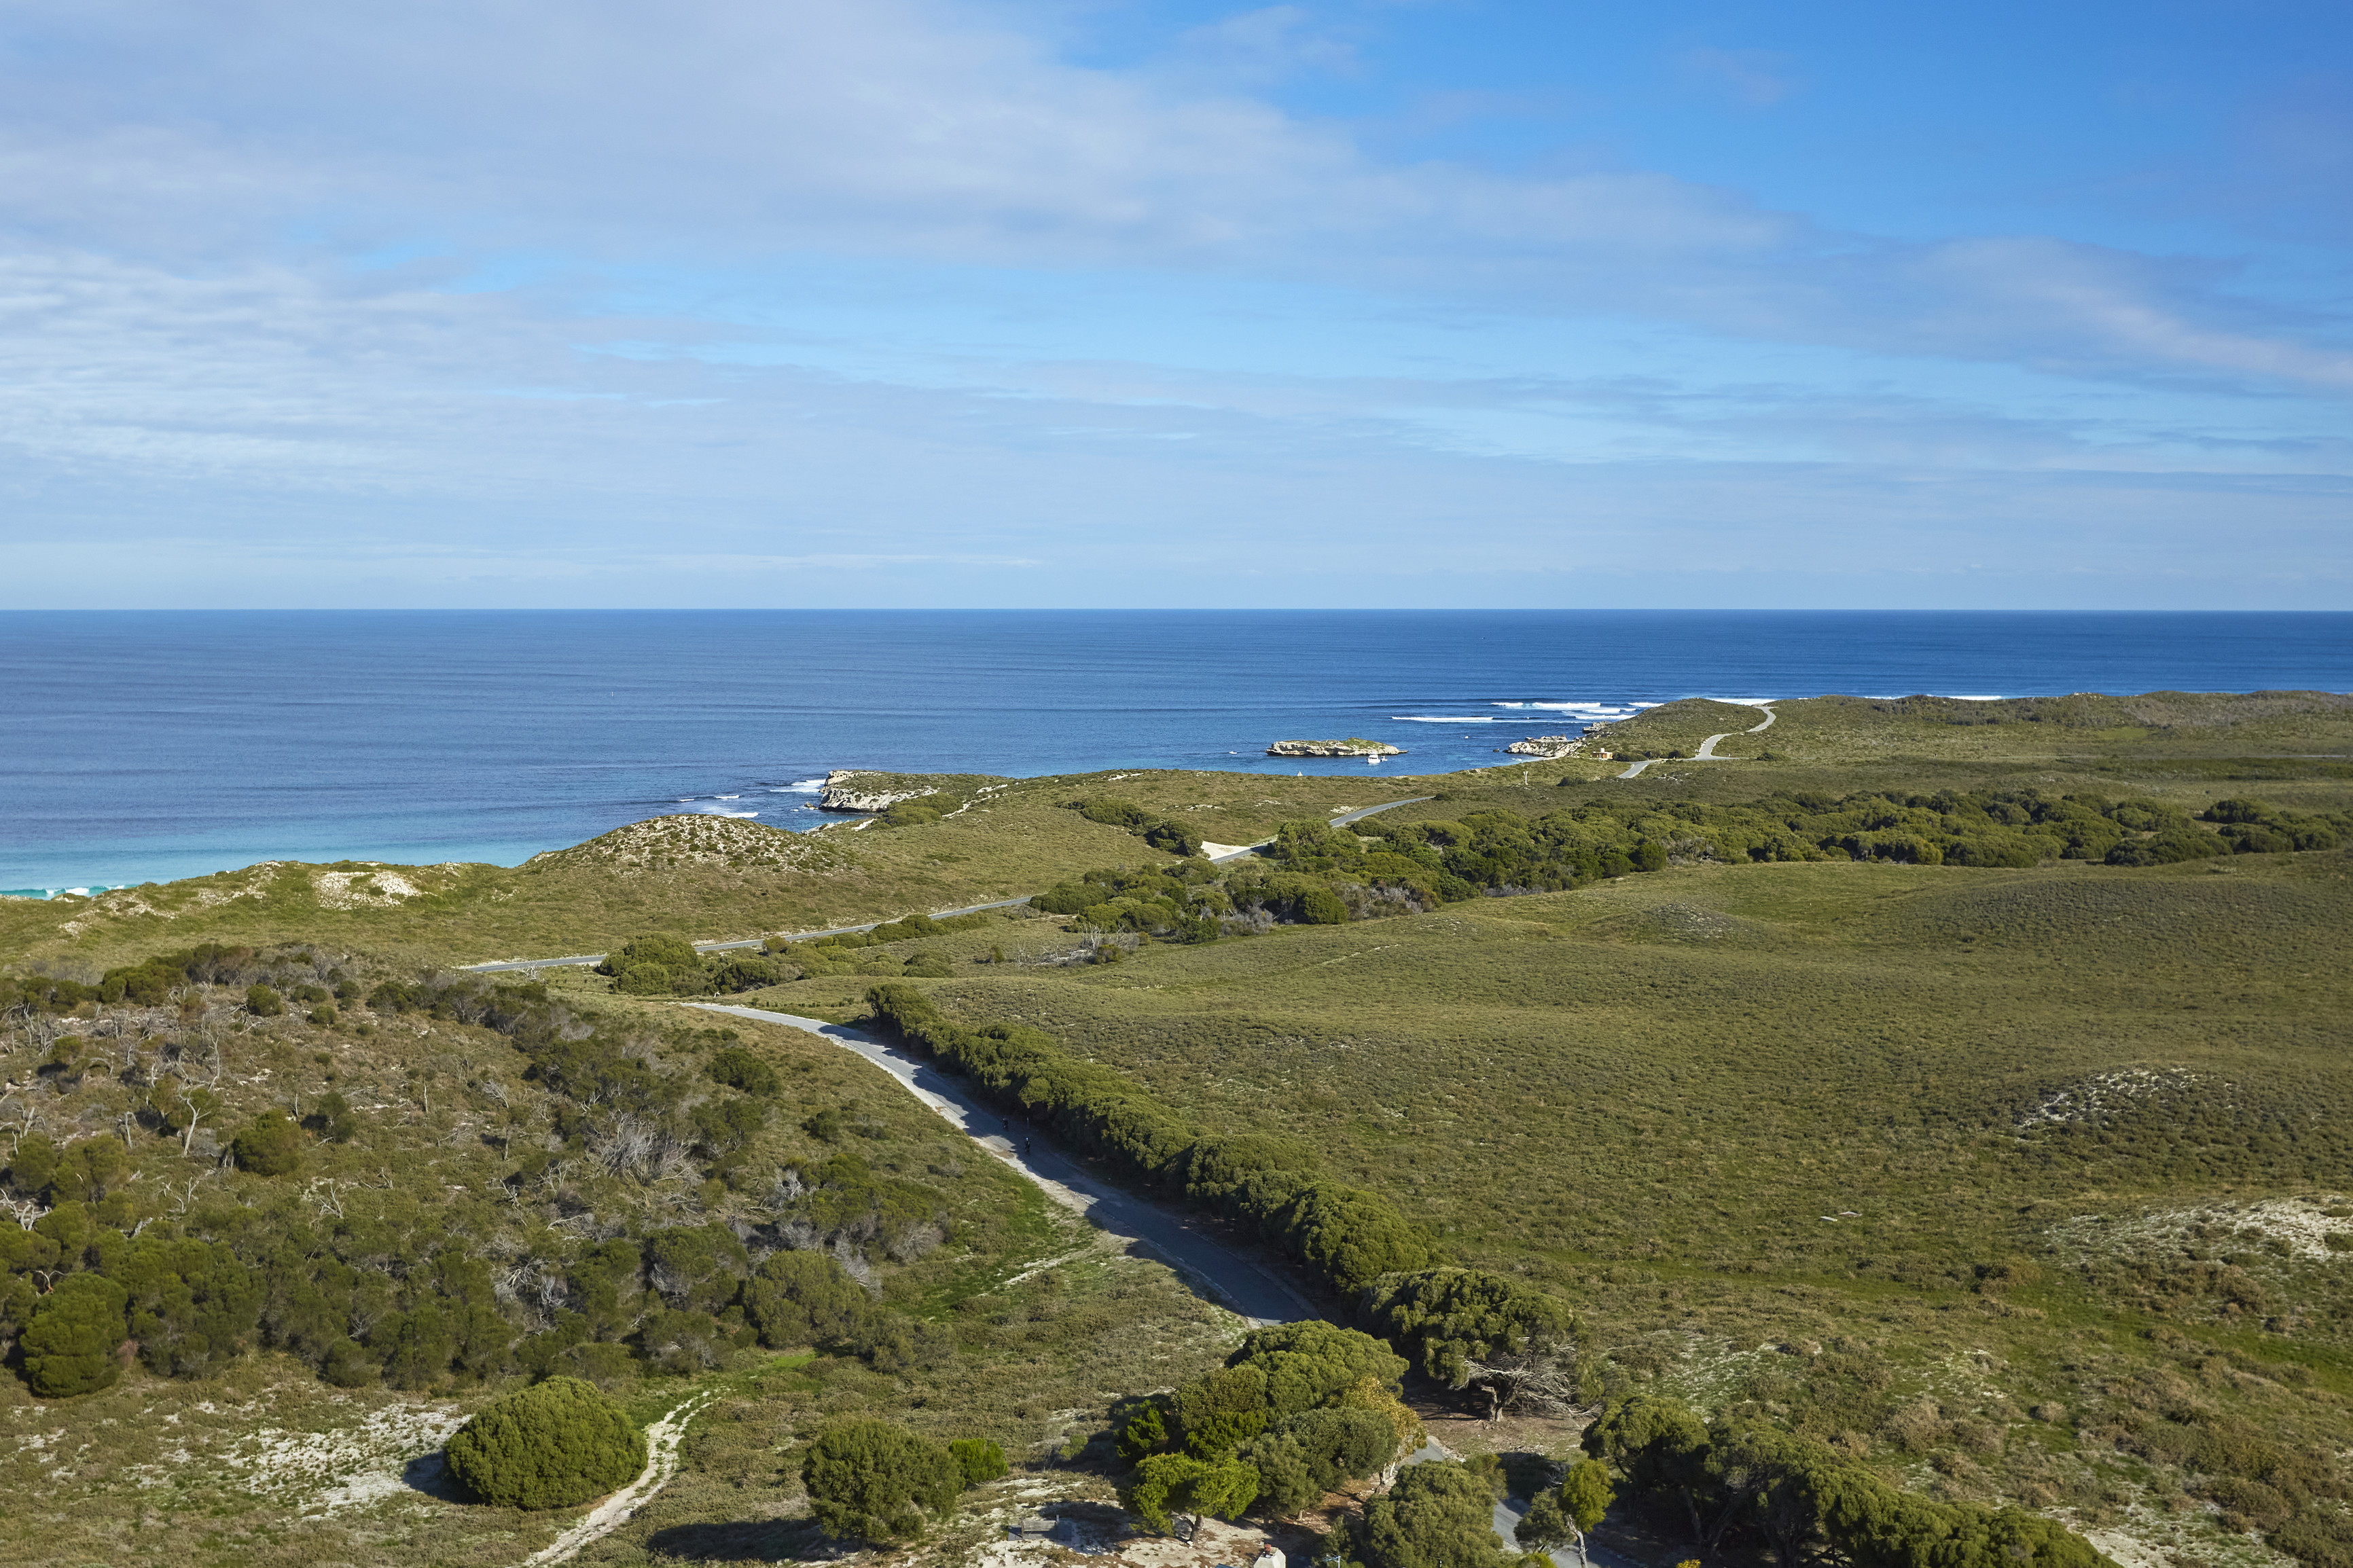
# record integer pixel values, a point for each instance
(526, 272)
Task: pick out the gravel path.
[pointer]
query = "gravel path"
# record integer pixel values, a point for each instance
(662, 1439)
(1229, 1279)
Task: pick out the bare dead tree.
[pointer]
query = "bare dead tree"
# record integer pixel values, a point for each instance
(328, 1195)
(184, 1194)
(198, 1103)
(1539, 1379)
(26, 1121)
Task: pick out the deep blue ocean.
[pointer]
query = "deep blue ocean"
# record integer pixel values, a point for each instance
(149, 745)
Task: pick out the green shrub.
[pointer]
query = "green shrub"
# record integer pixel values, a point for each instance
(1112, 812)
(739, 1069)
(551, 1446)
(69, 1346)
(874, 1481)
(349, 1365)
(1719, 1473)
(667, 952)
(262, 1002)
(1437, 1516)
(331, 1118)
(89, 1169)
(1168, 1484)
(698, 1268)
(805, 1299)
(1301, 1460)
(1444, 1320)
(268, 1145)
(1172, 837)
(731, 974)
(34, 1165)
(2169, 846)
(1144, 1433)
(656, 965)
(981, 1459)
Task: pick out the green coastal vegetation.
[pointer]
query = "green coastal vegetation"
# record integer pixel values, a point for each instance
(1923, 1136)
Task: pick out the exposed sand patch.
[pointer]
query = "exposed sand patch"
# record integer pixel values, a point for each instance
(2107, 1093)
(2302, 1226)
(350, 1466)
(377, 889)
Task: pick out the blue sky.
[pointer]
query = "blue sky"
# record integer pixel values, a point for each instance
(1439, 302)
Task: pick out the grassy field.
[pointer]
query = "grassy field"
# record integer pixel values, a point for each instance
(1968, 1170)
(2024, 1184)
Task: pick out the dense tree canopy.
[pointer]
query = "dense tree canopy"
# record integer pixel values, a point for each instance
(70, 1345)
(1460, 1326)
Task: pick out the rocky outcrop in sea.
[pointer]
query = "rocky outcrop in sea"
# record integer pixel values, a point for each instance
(1349, 748)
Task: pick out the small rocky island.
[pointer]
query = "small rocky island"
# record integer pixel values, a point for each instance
(1352, 747)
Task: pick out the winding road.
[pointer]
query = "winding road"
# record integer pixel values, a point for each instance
(1707, 753)
(1225, 1277)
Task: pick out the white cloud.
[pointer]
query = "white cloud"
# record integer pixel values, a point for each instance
(915, 129)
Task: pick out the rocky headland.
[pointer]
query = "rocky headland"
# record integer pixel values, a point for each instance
(843, 793)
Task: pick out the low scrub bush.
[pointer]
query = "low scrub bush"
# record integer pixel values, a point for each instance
(551, 1446)
(1730, 1485)
(1164, 833)
(878, 1482)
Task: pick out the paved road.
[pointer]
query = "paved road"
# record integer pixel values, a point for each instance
(1707, 753)
(1229, 1279)
(513, 965)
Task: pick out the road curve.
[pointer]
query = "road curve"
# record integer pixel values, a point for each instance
(525, 965)
(1707, 753)
(1228, 1278)
(1342, 820)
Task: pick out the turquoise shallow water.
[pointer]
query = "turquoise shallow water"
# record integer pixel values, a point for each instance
(148, 745)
